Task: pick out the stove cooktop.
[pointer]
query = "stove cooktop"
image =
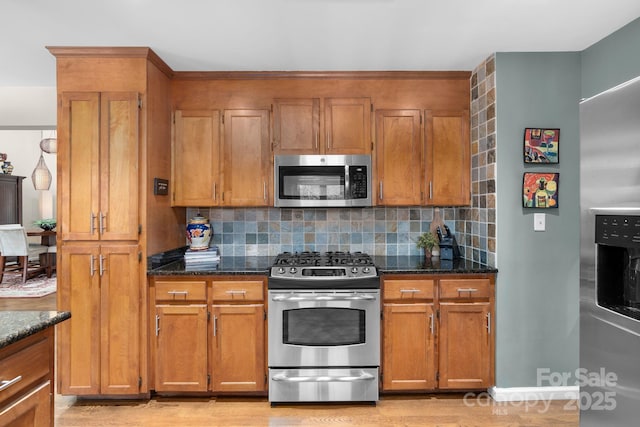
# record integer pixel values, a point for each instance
(323, 266)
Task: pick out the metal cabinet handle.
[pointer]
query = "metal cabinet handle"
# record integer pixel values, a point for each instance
(215, 193)
(364, 376)
(489, 323)
(232, 292)
(92, 223)
(328, 143)
(215, 325)
(431, 189)
(92, 267)
(380, 196)
(409, 291)
(174, 293)
(101, 260)
(5, 384)
(157, 324)
(431, 326)
(264, 189)
(101, 222)
(315, 145)
(467, 290)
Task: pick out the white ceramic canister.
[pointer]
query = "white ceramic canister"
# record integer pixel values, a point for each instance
(199, 233)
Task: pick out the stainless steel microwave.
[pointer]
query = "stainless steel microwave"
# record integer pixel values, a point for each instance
(331, 180)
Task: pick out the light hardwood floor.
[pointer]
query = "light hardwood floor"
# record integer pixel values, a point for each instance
(445, 410)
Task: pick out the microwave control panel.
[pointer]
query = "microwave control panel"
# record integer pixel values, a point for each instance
(358, 181)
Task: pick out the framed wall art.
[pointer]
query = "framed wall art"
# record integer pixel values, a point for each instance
(540, 190)
(541, 145)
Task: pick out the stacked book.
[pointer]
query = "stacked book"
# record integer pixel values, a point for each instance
(202, 259)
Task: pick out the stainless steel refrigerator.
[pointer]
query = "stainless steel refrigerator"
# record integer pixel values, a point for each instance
(609, 374)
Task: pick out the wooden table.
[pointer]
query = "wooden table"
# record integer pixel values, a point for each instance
(47, 238)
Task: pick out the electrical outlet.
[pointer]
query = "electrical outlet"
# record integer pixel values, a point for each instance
(538, 222)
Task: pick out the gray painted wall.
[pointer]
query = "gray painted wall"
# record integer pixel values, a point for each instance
(613, 60)
(538, 279)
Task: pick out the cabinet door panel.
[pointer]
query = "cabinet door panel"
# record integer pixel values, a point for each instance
(347, 125)
(296, 126)
(119, 166)
(465, 346)
(196, 150)
(246, 157)
(399, 157)
(238, 348)
(33, 410)
(79, 337)
(448, 158)
(119, 319)
(409, 349)
(78, 161)
(181, 348)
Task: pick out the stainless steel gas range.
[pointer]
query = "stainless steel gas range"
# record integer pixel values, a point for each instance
(324, 328)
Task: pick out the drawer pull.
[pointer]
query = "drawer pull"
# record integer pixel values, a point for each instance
(175, 293)
(232, 292)
(409, 291)
(8, 383)
(467, 290)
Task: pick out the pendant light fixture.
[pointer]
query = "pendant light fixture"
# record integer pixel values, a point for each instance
(41, 176)
(50, 144)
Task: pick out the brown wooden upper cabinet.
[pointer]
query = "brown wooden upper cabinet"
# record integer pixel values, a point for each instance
(434, 170)
(99, 160)
(221, 158)
(344, 128)
(196, 158)
(448, 167)
(399, 157)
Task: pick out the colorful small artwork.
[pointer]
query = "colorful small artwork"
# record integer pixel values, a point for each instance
(541, 145)
(540, 190)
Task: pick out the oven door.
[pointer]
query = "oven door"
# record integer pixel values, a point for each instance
(324, 328)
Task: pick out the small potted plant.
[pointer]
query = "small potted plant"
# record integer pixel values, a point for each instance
(427, 241)
(46, 224)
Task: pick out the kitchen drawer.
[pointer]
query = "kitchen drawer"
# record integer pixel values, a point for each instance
(19, 370)
(407, 289)
(465, 289)
(249, 290)
(184, 290)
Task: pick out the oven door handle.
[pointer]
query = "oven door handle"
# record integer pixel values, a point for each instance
(331, 297)
(364, 376)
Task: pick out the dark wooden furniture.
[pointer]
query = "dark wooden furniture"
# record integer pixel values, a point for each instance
(11, 196)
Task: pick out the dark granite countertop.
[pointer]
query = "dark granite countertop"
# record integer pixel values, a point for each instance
(16, 325)
(417, 265)
(261, 264)
(234, 265)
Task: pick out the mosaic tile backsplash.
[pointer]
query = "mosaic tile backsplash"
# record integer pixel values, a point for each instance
(270, 231)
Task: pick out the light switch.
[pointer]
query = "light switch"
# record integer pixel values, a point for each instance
(538, 222)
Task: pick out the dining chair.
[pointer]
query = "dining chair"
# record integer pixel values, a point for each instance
(14, 243)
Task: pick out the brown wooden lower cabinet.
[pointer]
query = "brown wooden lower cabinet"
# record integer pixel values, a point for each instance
(26, 373)
(438, 332)
(208, 334)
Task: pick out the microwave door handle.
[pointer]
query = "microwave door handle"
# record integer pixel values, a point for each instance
(347, 184)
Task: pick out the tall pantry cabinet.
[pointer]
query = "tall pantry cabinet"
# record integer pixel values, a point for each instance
(106, 97)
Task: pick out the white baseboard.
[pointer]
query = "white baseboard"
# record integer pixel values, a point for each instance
(516, 394)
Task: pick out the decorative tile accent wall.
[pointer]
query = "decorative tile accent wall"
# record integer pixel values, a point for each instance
(270, 231)
(478, 223)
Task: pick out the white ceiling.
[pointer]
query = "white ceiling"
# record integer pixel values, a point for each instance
(307, 35)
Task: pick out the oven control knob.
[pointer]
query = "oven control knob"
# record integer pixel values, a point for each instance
(354, 270)
(293, 270)
(366, 270)
(281, 270)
